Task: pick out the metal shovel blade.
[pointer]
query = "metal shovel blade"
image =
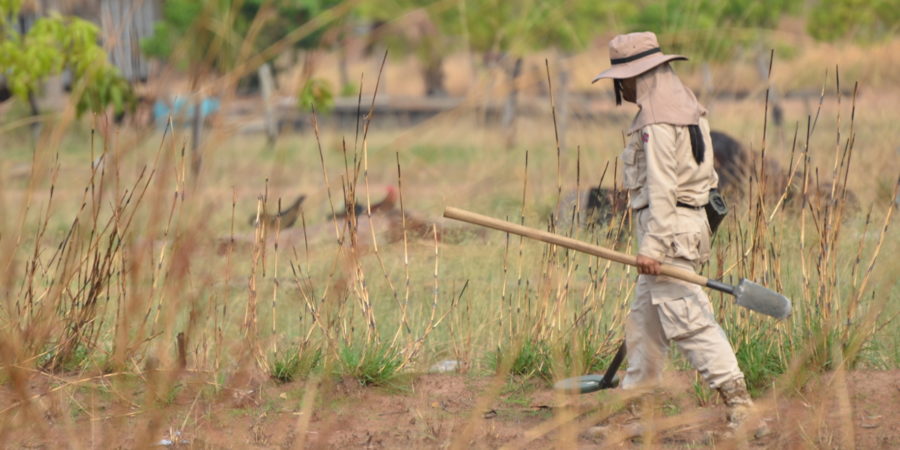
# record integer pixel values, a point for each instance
(584, 384)
(766, 301)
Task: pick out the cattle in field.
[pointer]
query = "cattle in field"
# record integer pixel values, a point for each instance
(736, 167)
(595, 207)
(738, 173)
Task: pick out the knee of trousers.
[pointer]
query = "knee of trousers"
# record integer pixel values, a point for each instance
(709, 351)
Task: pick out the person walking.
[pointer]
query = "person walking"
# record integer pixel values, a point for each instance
(668, 171)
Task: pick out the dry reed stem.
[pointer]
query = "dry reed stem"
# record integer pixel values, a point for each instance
(519, 263)
(556, 138)
(315, 123)
(404, 306)
(275, 283)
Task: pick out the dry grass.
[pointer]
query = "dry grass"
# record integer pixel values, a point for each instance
(106, 265)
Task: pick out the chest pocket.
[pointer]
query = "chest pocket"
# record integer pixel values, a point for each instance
(634, 163)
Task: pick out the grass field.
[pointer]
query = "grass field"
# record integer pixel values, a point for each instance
(132, 281)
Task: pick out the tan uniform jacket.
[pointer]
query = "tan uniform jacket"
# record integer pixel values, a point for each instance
(660, 171)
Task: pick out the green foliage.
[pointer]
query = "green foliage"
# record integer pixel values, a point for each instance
(863, 19)
(316, 94)
(503, 26)
(56, 43)
(674, 15)
(757, 13)
(696, 26)
(205, 32)
(532, 358)
(292, 365)
(413, 27)
(759, 363)
(106, 87)
(371, 365)
(213, 31)
(568, 26)
(9, 9)
(57, 358)
(546, 360)
(349, 90)
(286, 16)
(178, 18)
(586, 355)
(702, 392)
(170, 395)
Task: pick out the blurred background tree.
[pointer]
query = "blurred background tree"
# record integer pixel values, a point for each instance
(51, 46)
(697, 27)
(222, 31)
(830, 20)
(496, 31)
(202, 37)
(417, 27)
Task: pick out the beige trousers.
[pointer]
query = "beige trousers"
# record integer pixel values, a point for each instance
(666, 310)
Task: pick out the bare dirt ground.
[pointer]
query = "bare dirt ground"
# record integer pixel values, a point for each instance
(437, 411)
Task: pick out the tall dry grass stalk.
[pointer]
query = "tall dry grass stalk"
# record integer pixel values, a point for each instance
(130, 288)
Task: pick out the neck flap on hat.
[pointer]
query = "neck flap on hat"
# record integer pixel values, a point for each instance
(663, 98)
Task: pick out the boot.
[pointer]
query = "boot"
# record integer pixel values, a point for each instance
(739, 405)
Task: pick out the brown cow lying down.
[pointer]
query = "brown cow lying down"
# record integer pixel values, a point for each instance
(735, 166)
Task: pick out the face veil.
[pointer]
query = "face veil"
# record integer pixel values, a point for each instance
(662, 98)
(617, 86)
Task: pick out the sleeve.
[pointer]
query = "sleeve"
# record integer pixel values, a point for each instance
(659, 146)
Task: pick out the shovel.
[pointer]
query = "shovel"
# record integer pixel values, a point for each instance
(590, 383)
(747, 293)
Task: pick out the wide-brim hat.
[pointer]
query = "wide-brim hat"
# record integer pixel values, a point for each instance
(633, 54)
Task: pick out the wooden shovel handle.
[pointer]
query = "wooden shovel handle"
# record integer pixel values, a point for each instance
(562, 241)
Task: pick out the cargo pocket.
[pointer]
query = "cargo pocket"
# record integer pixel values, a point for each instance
(691, 238)
(684, 317)
(685, 246)
(634, 163)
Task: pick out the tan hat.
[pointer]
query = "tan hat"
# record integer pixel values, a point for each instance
(633, 54)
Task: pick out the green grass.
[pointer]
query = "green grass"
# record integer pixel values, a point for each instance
(371, 365)
(294, 364)
(760, 365)
(532, 359)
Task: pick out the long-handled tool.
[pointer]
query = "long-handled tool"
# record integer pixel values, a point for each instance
(747, 293)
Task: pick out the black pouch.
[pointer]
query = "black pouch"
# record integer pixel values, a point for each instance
(716, 210)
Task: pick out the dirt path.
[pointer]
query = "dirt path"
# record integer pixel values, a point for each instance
(437, 411)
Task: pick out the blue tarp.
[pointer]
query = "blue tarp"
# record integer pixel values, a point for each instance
(183, 111)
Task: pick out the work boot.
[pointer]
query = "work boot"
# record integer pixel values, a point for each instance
(739, 407)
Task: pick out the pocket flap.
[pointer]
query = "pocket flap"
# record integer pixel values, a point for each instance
(671, 289)
(685, 316)
(628, 155)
